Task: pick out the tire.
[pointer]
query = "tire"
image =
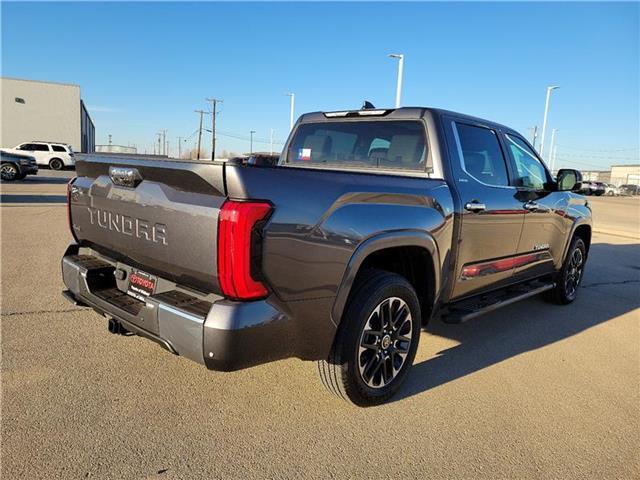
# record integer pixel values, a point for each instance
(56, 164)
(9, 172)
(372, 374)
(570, 275)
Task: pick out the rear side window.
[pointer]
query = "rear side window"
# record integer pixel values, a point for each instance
(481, 154)
(360, 144)
(39, 147)
(58, 148)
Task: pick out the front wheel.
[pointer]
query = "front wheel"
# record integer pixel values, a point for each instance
(56, 164)
(9, 172)
(376, 341)
(569, 278)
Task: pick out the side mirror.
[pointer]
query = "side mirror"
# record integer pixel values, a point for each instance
(569, 179)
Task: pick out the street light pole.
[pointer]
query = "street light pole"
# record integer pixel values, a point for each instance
(544, 120)
(400, 58)
(251, 148)
(292, 100)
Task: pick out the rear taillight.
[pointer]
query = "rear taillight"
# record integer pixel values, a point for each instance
(69, 187)
(238, 249)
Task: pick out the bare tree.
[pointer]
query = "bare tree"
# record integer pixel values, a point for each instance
(193, 154)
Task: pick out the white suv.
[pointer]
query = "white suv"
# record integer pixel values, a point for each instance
(54, 155)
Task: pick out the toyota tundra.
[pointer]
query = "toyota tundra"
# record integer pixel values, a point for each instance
(372, 223)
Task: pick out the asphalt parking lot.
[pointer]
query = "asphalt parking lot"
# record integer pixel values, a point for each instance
(530, 391)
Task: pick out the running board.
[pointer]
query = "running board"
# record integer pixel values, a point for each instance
(467, 309)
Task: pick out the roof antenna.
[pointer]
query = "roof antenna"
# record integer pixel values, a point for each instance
(367, 105)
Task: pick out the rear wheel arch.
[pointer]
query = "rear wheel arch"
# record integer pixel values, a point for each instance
(410, 254)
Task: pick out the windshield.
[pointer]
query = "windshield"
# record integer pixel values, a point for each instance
(359, 144)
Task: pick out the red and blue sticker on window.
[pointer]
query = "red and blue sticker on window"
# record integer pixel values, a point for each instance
(304, 154)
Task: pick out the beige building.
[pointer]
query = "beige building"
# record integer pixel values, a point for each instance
(597, 175)
(625, 174)
(45, 111)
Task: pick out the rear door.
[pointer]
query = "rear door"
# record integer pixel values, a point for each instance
(491, 215)
(41, 152)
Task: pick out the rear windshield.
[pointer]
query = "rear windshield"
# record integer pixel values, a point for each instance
(360, 144)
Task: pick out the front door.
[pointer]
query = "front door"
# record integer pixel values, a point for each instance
(546, 222)
(491, 216)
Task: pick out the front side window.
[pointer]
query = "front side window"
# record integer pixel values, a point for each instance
(481, 155)
(360, 144)
(530, 171)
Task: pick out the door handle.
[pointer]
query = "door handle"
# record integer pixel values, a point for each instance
(534, 207)
(475, 206)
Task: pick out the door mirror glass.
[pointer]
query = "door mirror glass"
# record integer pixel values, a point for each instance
(569, 180)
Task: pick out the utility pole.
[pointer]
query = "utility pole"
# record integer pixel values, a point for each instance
(214, 103)
(544, 120)
(534, 135)
(159, 140)
(251, 148)
(552, 147)
(168, 150)
(201, 112)
(271, 141)
(109, 139)
(292, 98)
(179, 143)
(164, 142)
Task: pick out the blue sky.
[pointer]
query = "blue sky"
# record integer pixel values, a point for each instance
(147, 66)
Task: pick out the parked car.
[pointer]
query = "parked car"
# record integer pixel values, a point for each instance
(611, 190)
(373, 223)
(630, 189)
(600, 188)
(53, 155)
(592, 188)
(15, 166)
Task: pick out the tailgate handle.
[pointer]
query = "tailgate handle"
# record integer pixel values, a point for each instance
(125, 176)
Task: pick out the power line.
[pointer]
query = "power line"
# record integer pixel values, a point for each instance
(599, 150)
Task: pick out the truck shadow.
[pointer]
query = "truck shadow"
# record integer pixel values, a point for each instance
(533, 323)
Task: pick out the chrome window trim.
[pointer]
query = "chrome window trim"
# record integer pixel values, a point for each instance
(454, 127)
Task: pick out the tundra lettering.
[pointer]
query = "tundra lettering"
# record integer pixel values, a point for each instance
(156, 233)
(372, 223)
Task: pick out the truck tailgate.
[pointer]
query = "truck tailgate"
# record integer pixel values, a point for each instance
(155, 215)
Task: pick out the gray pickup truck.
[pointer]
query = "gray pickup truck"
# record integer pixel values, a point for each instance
(372, 223)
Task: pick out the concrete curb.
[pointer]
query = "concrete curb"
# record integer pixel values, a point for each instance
(618, 233)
